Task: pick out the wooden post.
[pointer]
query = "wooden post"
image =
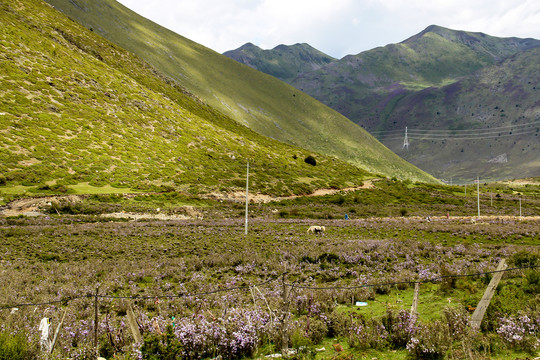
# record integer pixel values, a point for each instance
(266, 302)
(133, 325)
(96, 322)
(247, 199)
(285, 310)
(414, 306)
(57, 331)
(482, 306)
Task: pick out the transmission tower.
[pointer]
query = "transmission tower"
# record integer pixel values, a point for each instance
(406, 141)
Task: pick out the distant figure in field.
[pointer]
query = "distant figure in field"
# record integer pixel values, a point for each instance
(316, 229)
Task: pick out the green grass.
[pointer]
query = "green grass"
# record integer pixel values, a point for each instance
(77, 109)
(85, 188)
(263, 103)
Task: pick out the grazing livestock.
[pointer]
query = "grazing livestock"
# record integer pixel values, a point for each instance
(316, 229)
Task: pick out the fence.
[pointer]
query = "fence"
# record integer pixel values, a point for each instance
(287, 288)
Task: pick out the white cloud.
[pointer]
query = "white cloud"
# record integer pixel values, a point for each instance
(337, 27)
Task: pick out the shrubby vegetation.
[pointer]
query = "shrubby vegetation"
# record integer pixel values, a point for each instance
(70, 255)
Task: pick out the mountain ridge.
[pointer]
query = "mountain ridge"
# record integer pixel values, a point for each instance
(283, 61)
(368, 88)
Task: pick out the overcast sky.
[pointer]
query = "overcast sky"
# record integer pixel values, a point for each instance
(336, 27)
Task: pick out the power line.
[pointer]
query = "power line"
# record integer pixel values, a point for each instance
(451, 131)
(458, 137)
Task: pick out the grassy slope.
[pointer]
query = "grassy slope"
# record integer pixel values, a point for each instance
(75, 108)
(283, 62)
(259, 101)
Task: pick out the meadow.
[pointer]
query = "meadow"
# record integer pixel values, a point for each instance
(202, 288)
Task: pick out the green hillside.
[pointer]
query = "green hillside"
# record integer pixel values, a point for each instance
(492, 120)
(75, 109)
(266, 105)
(283, 62)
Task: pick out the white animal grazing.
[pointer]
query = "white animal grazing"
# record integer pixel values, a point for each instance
(316, 229)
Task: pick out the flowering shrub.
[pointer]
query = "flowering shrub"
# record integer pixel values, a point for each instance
(235, 335)
(401, 326)
(338, 324)
(521, 332)
(368, 334)
(430, 341)
(189, 260)
(458, 322)
(162, 347)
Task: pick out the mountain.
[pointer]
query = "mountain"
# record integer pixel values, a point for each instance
(363, 87)
(378, 89)
(491, 122)
(284, 62)
(261, 102)
(75, 108)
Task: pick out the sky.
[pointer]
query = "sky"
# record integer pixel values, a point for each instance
(335, 27)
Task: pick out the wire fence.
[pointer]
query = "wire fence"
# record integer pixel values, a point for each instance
(273, 279)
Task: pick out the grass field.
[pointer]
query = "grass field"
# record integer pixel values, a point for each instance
(227, 287)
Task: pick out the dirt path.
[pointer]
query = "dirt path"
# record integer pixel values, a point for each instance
(240, 196)
(34, 206)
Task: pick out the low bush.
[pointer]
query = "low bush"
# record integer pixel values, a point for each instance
(430, 341)
(161, 347)
(16, 347)
(310, 160)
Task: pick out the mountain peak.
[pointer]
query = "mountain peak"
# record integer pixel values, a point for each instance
(436, 29)
(249, 46)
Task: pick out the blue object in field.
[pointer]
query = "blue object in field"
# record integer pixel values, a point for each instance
(346, 217)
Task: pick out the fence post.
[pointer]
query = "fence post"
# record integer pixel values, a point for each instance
(482, 306)
(285, 310)
(57, 331)
(133, 325)
(414, 306)
(96, 322)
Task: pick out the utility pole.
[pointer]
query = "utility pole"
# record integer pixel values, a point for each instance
(478, 195)
(406, 141)
(247, 198)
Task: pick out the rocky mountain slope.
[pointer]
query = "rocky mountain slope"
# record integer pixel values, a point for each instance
(378, 89)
